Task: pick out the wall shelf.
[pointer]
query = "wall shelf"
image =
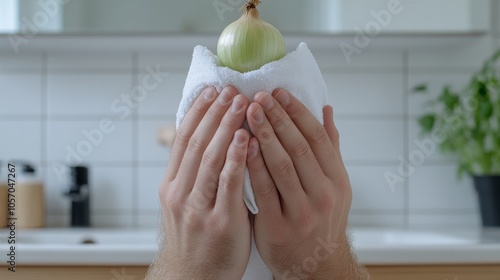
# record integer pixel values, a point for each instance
(176, 42)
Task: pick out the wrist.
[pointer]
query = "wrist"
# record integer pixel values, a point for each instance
(342, 265)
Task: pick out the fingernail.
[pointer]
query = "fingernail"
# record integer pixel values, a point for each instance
(266, 101)
(283, 98)
(209, 93)
(259, 116)
(237, 105)
(239, 139)
(225, 96)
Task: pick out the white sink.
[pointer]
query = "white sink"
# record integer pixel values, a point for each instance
(139, 247)
(78, 237)
(410, 238)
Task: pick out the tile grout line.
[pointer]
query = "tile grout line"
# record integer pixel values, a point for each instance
(44, 112)
(406, 134)
(135, 145)
(493, 28)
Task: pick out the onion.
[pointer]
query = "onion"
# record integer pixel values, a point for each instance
(249, 43)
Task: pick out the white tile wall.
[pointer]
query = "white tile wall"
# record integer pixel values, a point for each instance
(496, 20)
(367, 139)
(149, 183)
(371, 191)
(21, 140)
(366, 61)
(365, 94)
(149, 149)
(72, 61)
(87, 94)
(164, 99)
(111, 189)
(176, 63)
(53, 97)
(436, 188)
(84, 141)
(23, 93)
(25, 62)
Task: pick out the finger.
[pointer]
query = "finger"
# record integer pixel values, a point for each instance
(202, 136)
(230, 191)
(333, 133)
(304, 160)
(205, 187)
(313, 131)
(264, 189)
(277, 160)
(187, 128)
(330, 127)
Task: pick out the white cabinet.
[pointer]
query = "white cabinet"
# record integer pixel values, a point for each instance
(290, 16)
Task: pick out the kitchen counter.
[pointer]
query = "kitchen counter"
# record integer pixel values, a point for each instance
(138, 247)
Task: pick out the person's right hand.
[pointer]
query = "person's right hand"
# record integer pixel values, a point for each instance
(205, 221)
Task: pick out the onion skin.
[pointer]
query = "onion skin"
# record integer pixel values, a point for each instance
(249, 43)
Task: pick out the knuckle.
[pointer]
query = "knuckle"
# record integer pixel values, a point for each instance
(265, 136)
(202, 199)
(211, 160)
(236, 157)
(306, 225)
(285, 168)
(196, 145)
(266, 189)
(193, 220)
(319, 135)
(280, 121)
(295, 111)
(182, 135)
(225, 179)
(172, 205)
(214, 114)
(228, 123)
(326, 202)
(301, 150)
(221, 225)
(199, 107)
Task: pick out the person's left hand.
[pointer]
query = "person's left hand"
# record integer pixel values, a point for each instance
(302, 190)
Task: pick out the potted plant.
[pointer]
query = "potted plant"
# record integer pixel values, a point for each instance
(466, 123)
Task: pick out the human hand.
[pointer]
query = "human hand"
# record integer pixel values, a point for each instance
(302, 190)
(205, 221)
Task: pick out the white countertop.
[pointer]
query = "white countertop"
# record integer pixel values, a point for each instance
(138, 247)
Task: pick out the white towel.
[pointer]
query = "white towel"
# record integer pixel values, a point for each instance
(297, 72)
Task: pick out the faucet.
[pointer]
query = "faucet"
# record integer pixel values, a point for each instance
(79, 193)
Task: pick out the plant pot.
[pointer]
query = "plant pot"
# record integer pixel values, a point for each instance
(488, 190)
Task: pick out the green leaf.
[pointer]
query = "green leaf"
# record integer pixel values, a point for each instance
(449, 98)
(462, 170)
(485, 110)
(422, 88)
(427, 123)
(481, 90)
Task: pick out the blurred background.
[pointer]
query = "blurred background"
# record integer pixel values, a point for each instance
(73, 93)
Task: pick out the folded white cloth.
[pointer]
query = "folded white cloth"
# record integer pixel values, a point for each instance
(297, 72)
